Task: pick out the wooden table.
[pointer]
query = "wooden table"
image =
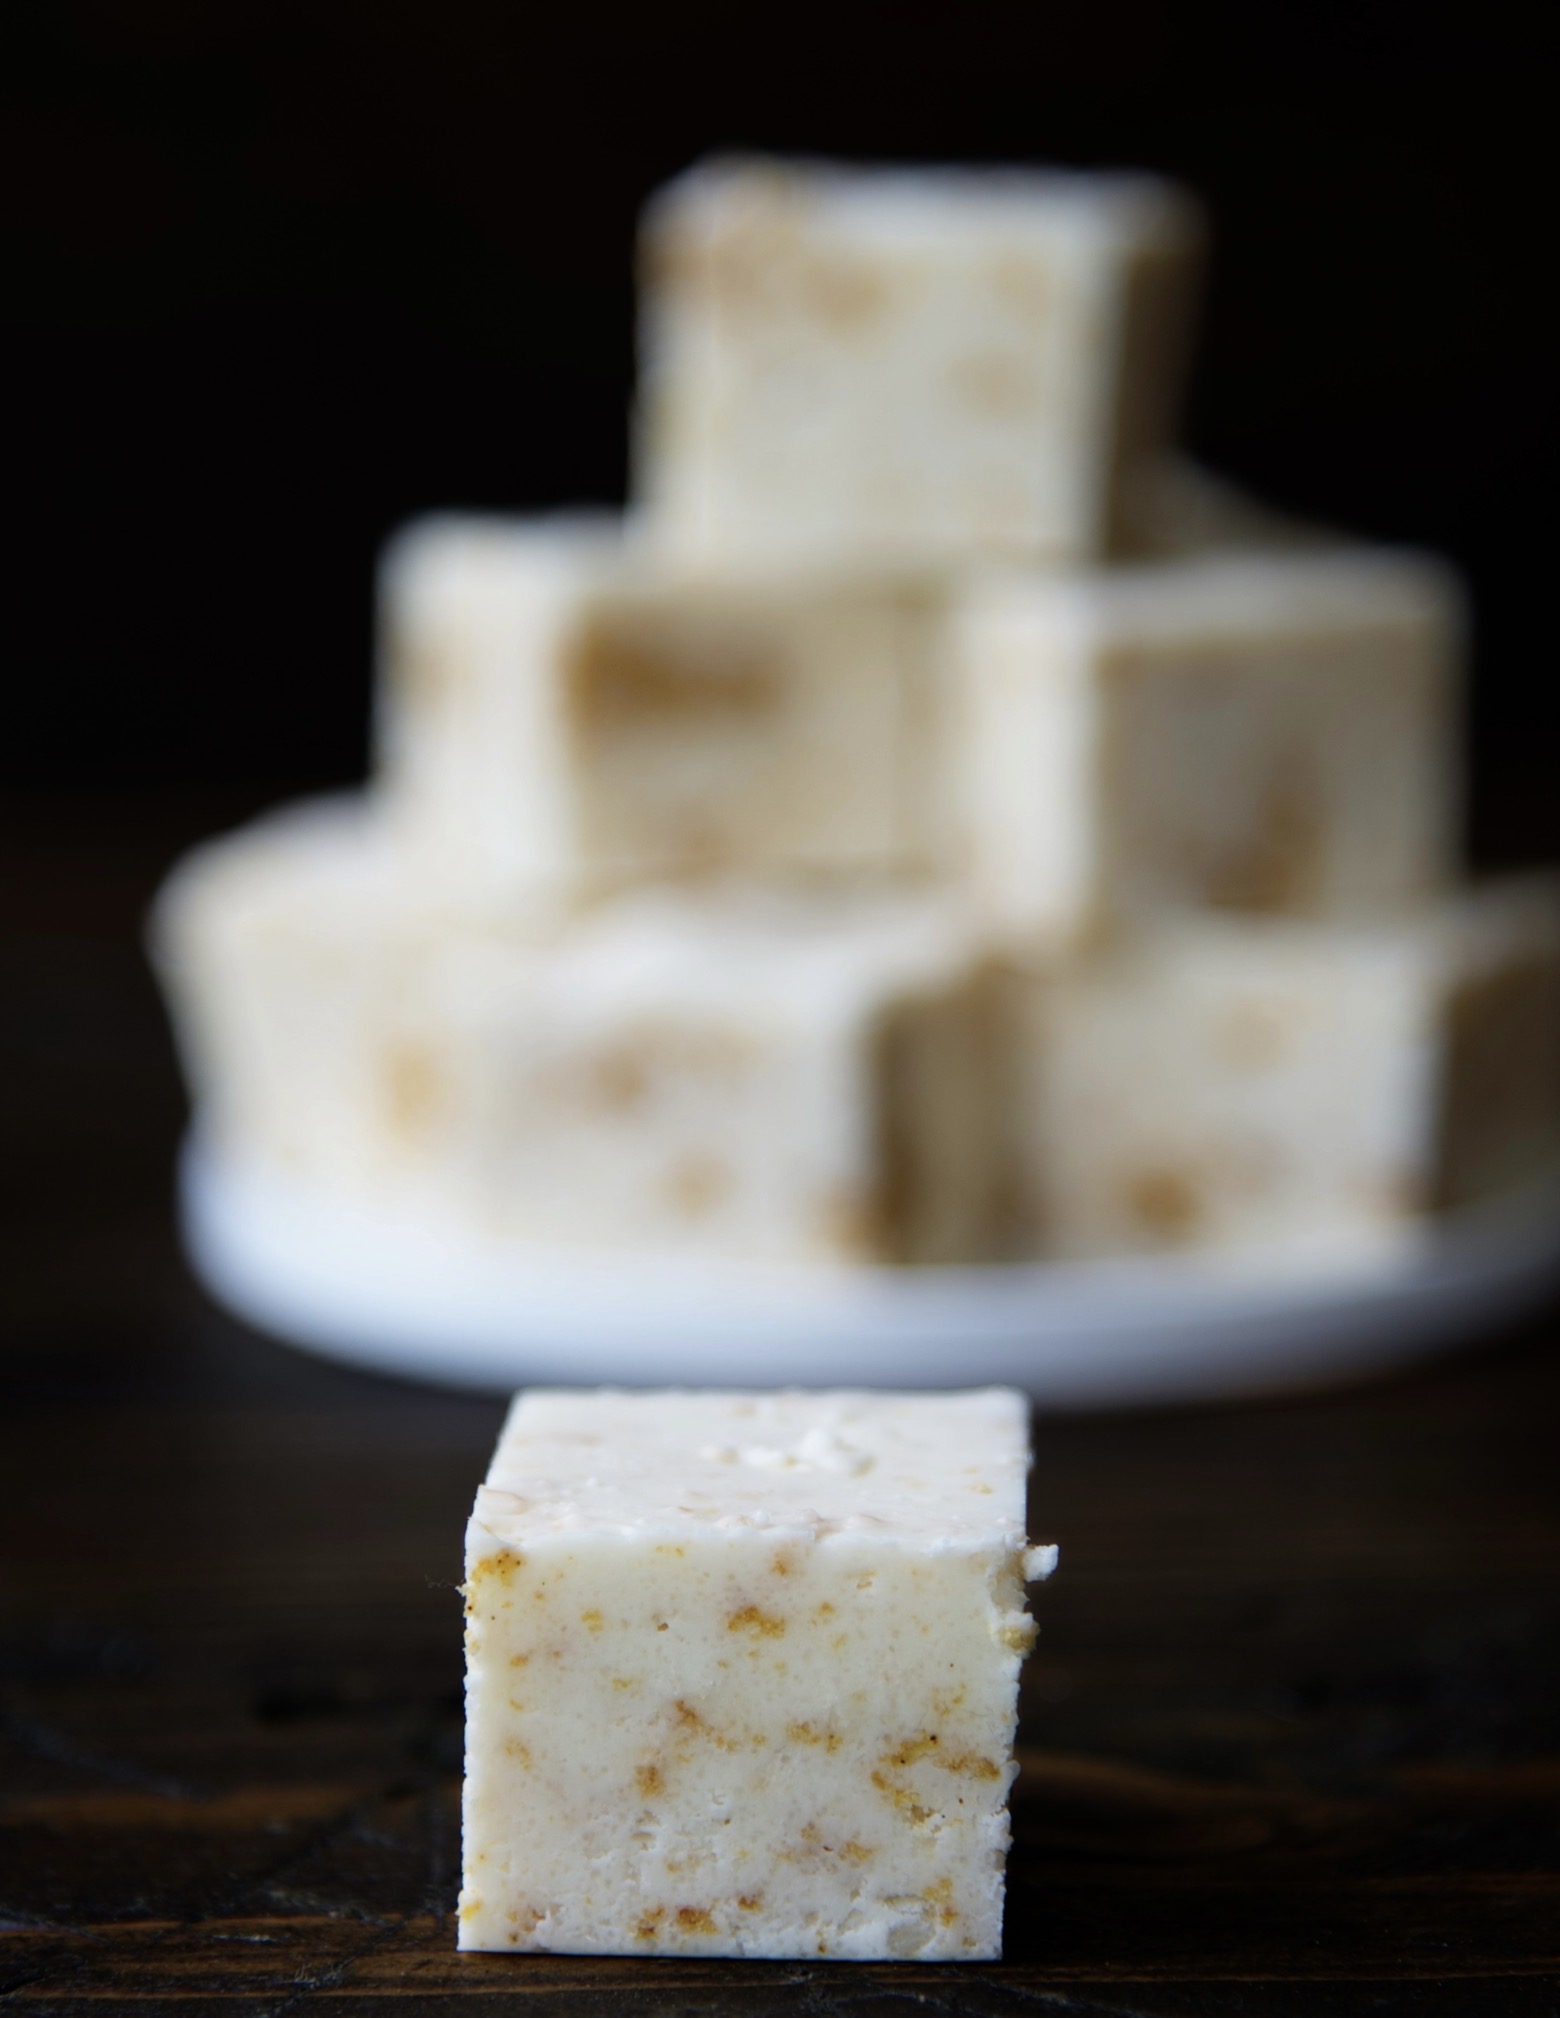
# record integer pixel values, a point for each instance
(1292, 1737)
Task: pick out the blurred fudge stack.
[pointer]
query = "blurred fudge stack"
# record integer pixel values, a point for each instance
(936, 824)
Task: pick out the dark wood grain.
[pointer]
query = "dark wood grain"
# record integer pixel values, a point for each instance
(1292, 1737)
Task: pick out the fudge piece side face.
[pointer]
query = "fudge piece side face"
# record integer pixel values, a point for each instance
(1498, 1117)
(1156, 321)
(751, 1689)
(1028, 757)
(468, 732)
(939, 1091)
(934, 364)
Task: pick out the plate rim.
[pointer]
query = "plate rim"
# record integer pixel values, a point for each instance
(384, 1291)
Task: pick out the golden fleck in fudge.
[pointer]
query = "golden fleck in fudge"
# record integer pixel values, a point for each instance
(1255, 1085)
(742, 1674)
(744, 1073)
(556, 711)
(942, 363)
(1251, 732)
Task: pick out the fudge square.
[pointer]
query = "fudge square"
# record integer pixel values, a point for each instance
(753, 1074)
(287, 950)
(742, 1673)
(747, 1074)
(556, 711)
(1263, 1084)
(933, 362)
(1260, 732)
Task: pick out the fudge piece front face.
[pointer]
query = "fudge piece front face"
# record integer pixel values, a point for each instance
(1267, 734)
(933, 363)
(1270, 1086)
(556, 713)
(742, 1674)
(761, 1079)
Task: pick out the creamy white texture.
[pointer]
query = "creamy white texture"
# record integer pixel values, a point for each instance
(558, 712)
(1268, 1085)
(1258, 732)
(740, 1073)
(933, 363)
(947, 1474)
(742, 1674)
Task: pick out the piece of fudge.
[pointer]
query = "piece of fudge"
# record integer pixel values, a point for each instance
(938, 363)
(1258, 1085)
(1254, 732)
(742, 1674)
(283, 950)
(559, 712)
(757, 1074)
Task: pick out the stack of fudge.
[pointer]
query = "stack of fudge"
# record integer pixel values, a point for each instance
(935, 824)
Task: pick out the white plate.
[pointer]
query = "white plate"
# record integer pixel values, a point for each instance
(407, 1299)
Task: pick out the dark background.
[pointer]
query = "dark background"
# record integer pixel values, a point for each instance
(277, 276)
(282, 274)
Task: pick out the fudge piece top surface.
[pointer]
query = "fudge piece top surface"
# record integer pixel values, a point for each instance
(467, 565)
(327, 854)
(934, 1472)
(729, 947)
(886, 206)
(332, 872)
(1234, 594)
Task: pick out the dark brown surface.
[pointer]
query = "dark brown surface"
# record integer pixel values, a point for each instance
(1293, 1731)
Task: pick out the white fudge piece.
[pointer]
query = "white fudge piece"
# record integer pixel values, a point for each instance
(1261, 1085)
(926, 362)
(1262, 732)
(284, 950)
(742, 1674)
(740, 1073)
(558, 712)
